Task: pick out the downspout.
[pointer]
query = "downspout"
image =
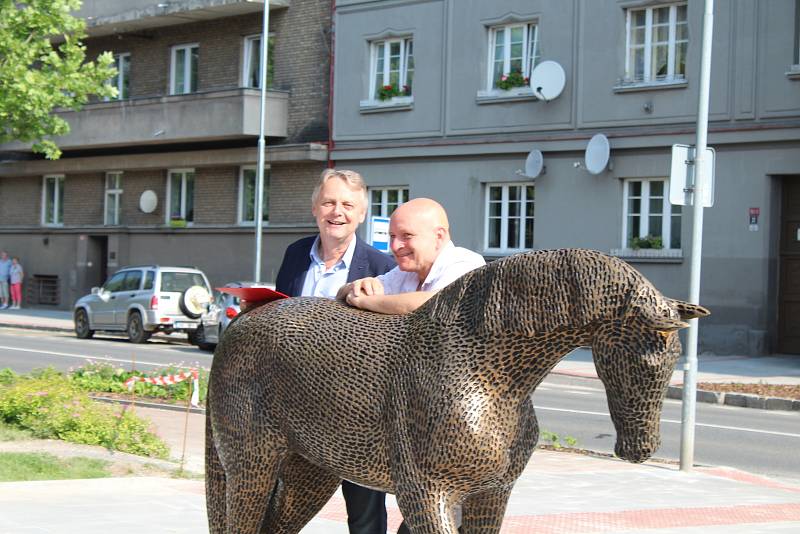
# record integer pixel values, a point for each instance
(332, 57)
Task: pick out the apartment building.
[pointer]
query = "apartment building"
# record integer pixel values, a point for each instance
(165, 173)
(431, 100)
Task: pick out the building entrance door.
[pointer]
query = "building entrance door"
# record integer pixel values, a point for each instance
(789, 284)
(97, 260)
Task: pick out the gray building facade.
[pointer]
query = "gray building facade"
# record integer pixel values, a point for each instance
(165, 173)
(431, 99)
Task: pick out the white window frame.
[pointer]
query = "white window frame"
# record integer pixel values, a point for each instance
(530, 54)
(248, 58)
(58, 191)
(114, 195)
(119, 80)
(385, 74)
(671, 76)
(240, 197)
(644, 213)
(384, 190)
(504, 217)
(187, 69)
(168, 211)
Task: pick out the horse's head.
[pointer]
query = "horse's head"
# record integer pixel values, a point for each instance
(635, 357)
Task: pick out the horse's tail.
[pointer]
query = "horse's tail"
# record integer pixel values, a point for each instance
(215, 482)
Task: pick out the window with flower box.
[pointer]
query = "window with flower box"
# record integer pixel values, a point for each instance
(649, 220)
(656, 44)
(392, 69)
(513, 52)
(509, 217)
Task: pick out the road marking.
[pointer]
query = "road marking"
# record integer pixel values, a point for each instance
(84, 356)
(674, 421)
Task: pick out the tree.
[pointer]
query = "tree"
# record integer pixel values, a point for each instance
(43, 68)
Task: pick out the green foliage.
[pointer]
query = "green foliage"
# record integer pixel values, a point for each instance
(13, 433)
(105, 378)
(511, 80)
(42, 68)
(15, 466)
(50, 405)
(7, 376)
(387, 92)
(648, 241)
(555, 441)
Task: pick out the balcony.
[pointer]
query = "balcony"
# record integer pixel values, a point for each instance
(105, 17)
(206, 116)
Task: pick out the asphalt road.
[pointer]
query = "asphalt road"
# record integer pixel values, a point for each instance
(759, 441)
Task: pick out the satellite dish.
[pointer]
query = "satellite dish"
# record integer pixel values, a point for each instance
(548, 80)
(597, 153)
(534, 163)
(148, 201)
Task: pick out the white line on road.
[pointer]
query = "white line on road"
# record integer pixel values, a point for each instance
(674, 421)
(82, 356)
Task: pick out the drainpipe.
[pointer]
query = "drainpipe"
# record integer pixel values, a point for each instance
(332, 57)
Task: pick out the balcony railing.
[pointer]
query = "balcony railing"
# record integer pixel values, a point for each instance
(205, 116)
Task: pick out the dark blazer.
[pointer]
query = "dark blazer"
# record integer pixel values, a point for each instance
(367, 261)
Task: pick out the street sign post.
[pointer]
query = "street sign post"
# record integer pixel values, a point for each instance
(380, 233)
(683, 176)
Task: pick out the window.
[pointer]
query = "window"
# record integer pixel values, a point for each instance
(509, 217)
(657, 39)
(384, 200)
(183, 69)
(113, 195)
(132, 281)
(252, 61)
(122, 62)
(650, 221)
(115, 283)
(180, 192)
(392, 68)
(513, 52)
(247, 196)
(149, 277)
(53, 201)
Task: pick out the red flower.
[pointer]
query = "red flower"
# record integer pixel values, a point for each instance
(387, 87)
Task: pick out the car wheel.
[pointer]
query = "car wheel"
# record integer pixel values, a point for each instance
(196, 336)
(193, 301)
(136, 331)
(82, 329)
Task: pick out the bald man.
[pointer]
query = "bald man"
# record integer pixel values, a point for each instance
(427, 261)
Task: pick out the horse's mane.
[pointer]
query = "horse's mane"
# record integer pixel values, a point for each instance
(538, 292)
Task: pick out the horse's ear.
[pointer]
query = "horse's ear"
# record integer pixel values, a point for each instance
(661, 323)
(688, 310)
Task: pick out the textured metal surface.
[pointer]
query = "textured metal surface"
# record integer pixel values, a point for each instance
(433, 406)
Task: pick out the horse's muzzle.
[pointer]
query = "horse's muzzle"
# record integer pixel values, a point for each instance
(637, 448)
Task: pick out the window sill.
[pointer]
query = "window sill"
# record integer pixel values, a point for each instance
(398, 103)
(498, 96)
(793, 73)
(632, 87)
(648, 255)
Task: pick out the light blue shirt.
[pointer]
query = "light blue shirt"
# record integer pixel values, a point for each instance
(321, 282)
(5, 269)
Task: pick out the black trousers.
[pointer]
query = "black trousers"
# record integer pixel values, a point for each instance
(366, 509)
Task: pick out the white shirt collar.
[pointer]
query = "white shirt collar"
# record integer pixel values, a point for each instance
(346, 260)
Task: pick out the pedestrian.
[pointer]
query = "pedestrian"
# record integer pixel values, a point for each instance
(16, 274)
(318, 266)
(5, 271)
(427, 261)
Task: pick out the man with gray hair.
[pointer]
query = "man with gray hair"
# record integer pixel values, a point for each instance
(317, 266)
(5, 273)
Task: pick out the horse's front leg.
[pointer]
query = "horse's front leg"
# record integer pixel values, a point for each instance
(427, 510)
(484, 511)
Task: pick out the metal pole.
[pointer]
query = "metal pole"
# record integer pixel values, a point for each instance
(700, 183)
(262, 78)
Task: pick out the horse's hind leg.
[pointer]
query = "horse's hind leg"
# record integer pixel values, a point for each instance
(483, 512)
(301, 491)
(249, 481)
(215, 483)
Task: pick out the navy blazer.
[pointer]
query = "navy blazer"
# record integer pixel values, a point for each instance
(367, 261)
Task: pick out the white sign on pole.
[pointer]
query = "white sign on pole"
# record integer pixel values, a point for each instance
(380, 233)
(682, 175)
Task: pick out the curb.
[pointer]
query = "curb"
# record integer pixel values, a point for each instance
(740, 400)
(36, 327)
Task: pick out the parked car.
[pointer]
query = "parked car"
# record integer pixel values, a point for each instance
(144, 299)
(219, 315)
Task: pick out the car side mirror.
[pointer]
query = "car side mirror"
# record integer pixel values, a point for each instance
(95, 291)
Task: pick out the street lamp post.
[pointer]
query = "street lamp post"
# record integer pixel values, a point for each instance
(262, 78)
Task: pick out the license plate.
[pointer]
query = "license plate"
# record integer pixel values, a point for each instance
(191, 326)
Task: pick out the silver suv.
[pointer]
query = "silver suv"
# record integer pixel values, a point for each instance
(141, 300)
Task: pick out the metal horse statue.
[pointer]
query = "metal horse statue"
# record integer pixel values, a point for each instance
(434, 406)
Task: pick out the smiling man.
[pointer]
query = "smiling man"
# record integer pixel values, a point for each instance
(318, 266)
(427, 261)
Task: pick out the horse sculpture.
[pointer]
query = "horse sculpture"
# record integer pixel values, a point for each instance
(434, 406)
